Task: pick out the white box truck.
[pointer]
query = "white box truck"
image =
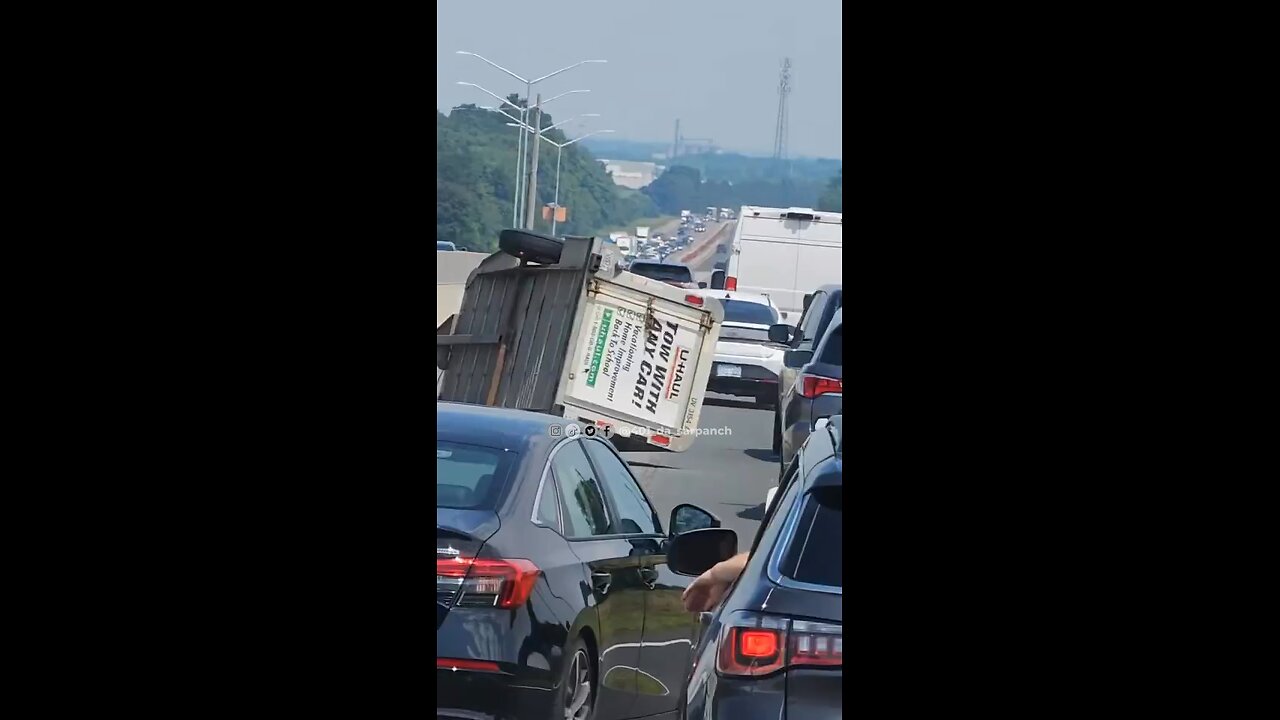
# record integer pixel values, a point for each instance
(785, 253)
(558, 328)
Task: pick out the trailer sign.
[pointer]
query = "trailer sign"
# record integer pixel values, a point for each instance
(641, 360)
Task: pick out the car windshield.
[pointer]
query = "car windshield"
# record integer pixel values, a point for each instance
(469, 476)
(815, 552)
(444, 246)
(658, 271)
(748, 312)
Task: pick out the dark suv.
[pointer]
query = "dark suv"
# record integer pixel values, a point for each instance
(811, 382)
(775, 646)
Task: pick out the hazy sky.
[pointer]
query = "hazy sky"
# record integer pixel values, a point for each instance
(712, 63)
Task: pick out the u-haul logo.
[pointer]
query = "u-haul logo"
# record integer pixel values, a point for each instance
(679, 373)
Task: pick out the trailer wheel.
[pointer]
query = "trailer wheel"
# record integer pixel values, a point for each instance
(530, 246)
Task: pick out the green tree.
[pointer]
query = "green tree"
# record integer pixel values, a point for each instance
(475, 181)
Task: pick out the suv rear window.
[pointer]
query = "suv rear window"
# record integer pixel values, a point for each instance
(815, 553)
(659, 271)
(833, 350)
(468, 477)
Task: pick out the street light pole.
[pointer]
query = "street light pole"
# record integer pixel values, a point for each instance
(524, 111)
(559, 149)
(531, 207)
(555, 204)
(517, 195)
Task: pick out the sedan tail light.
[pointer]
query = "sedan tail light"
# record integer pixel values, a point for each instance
(753, 645)
(482, 582)
(811, 386)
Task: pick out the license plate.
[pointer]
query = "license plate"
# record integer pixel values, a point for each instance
(728, 371)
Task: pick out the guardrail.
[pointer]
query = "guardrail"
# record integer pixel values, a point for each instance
(705, 247)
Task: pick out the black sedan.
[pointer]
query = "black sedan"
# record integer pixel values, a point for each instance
(554, 598)
(775, 646)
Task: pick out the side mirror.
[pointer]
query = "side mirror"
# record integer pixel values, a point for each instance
(462, 249)
(797, 358)
(702, 285)
(780, 333)
(694, 552)
(687, 518)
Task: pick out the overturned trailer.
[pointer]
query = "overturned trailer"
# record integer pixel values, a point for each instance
(557, 327)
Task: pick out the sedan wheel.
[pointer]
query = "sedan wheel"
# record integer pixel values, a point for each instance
(577, 696)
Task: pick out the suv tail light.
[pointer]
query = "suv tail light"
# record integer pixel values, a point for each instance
(731, 283)
(811, 386)
(754, 645)
(482, 582)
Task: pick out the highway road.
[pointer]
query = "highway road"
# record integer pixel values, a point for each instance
(703, 264)
(730, 473)
(727, 474)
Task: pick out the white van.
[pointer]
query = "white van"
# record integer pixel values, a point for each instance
(785, 253)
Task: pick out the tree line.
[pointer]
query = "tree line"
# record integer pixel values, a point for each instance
(476, 178)
(684, 188)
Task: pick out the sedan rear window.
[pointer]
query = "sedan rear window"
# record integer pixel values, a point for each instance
(815, 553)
(469, 477)
(748, 312)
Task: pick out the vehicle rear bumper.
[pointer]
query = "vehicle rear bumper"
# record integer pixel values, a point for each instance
(755, 381)
(469, 695)
(735, 699)
(809, 411)
(793, 437)
(522, 686)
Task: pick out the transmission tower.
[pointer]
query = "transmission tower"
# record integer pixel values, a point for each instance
(780, 132)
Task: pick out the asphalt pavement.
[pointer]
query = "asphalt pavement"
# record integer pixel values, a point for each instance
(730, 468)
(728, 474)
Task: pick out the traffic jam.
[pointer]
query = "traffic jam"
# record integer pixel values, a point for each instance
(596, 557)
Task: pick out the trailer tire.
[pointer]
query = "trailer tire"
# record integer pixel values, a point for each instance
(530, 246)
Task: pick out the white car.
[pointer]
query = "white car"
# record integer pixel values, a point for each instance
(746, 362)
